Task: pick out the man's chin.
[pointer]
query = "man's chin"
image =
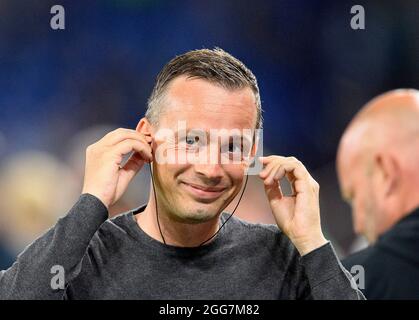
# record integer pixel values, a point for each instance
(200, 213)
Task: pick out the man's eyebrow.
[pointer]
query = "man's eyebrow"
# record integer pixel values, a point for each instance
(187, 132)
(208, 132)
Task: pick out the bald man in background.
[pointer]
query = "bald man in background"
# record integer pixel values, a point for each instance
(378, 169)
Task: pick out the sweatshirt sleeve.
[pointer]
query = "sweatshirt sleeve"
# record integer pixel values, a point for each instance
(45, 268)
(327, 278)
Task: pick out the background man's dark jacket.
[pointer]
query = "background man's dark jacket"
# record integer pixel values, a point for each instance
(392, 264)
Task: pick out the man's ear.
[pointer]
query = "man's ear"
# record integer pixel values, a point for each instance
(254, 148)
(256, 143)
(389, 172)
(145, 127)
(251, 162)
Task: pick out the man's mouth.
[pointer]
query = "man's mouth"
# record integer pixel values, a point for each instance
(203, 192)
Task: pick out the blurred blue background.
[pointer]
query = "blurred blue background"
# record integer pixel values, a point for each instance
(62, 89)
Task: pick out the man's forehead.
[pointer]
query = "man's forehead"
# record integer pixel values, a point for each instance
(211, 119)
(200, 101)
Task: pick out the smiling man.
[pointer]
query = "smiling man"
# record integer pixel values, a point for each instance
(181, 245)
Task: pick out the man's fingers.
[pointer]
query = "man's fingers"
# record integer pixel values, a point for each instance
(299, 178)
(280, 172)
(269, 162)
(128, 145)
(135, 162)
(267, 170)
(277, 167)
(268, 159)
(276, 174)
(296, 171)
(131, 168)
(273, 191)
(121, 134)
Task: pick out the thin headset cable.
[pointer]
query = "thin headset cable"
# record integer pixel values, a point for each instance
(157, 212)
(244, 188)
(155, 201)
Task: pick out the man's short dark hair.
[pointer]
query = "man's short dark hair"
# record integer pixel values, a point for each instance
(216, 66)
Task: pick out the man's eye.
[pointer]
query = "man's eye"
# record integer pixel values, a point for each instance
(191, 140)
(234, 147)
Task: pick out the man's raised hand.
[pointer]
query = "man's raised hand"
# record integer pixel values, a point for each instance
(104, 177)
(298, 216)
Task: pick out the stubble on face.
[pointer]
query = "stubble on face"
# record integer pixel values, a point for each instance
(205, 106)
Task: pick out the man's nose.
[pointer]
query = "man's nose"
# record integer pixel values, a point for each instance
(211, 172)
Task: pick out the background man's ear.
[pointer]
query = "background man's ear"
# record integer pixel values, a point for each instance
(389, 171)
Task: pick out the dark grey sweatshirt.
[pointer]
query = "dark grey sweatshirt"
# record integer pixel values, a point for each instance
(87, 256)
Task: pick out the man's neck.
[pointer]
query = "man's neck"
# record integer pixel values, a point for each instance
(175, 233)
